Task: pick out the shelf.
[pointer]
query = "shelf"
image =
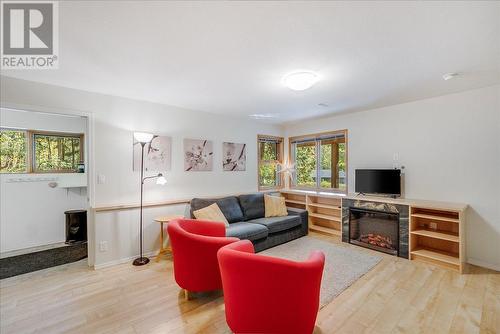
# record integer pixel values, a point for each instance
(449, 236)
(325, 206)
(294, 201)
(323, 229)
(436, 255)
(444, 219)
(67, 185)
(323, 216)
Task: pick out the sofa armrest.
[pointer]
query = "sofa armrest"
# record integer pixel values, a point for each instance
(304, 217)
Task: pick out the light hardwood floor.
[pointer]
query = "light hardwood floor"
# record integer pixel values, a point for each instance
(397, 296)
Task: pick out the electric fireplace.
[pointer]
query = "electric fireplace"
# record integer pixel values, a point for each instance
(373, 229)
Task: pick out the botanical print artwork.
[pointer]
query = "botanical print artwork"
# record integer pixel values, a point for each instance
(198, 155)
(157, 154)
(234, 157)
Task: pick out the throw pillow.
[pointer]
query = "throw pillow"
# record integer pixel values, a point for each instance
(275, 206)
(211, 212)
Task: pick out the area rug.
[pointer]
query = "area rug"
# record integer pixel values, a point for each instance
(343, 265)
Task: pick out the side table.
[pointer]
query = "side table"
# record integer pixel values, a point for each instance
(164, 220)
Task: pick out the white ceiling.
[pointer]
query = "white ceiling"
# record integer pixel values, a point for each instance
(229, 57)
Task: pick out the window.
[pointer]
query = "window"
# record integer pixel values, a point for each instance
(27, 151)
(320, 161)
(270, 155)
(60, 153)
(13, 151)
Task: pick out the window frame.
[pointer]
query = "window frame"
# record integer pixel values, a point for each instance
(317, 138)
(27, 158)
(280, 152)
(30, 150)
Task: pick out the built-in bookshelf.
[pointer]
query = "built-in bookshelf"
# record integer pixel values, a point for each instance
(437, 229)
(324, 210)
(294, 200)
(325, 214)
(437, 236)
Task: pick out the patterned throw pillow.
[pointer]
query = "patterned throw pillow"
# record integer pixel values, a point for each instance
(211, 212)
(275, 206)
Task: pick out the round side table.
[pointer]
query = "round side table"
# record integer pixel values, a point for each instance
(164, 220)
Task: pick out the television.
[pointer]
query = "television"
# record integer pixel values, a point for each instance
(378, 181)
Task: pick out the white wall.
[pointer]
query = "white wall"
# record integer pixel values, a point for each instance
(32, 213)
(450, 147)
(114, 121)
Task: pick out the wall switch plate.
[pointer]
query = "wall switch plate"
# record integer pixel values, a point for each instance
(103, 246)
(101, 179)
(395, 156)
(433, 226)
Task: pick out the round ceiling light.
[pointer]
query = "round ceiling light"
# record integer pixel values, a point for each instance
(300, 80)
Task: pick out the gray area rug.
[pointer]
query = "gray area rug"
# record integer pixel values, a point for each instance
(343, 265)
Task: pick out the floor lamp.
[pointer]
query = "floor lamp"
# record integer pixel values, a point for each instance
(144, 138)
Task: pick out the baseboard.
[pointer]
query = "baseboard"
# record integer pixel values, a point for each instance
(124, 260)
(484, 264)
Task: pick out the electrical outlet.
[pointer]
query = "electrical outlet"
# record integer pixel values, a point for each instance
(103, 246)
(433, 226)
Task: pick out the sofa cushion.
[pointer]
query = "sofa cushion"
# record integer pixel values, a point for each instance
(212, 213)
(274, 206)
(277, 224)
(252, 205)
(229, 206)
(244, 230)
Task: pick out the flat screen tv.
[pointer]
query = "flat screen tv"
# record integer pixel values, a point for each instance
(378, 181)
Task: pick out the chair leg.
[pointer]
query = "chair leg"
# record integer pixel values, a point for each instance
(187, 294)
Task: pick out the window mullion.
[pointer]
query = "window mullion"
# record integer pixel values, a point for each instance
(318, 164)
(30, 152)
(294, 157)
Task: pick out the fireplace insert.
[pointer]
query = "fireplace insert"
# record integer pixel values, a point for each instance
(376, 230)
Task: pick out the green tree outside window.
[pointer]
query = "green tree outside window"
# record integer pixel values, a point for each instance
(13, 151)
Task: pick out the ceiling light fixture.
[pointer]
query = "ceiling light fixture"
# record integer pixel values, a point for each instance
(300, 80)
(449, 76)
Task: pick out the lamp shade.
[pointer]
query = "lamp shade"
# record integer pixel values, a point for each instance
(143, 137)
(161, 180)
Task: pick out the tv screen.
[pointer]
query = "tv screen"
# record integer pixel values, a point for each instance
(378, 181)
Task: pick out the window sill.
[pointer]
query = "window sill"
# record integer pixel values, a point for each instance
(320, 190)
(267, 189)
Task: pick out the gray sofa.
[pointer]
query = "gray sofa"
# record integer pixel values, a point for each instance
(245, 214)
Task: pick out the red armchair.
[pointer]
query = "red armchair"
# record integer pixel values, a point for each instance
(194, 246)
(263, 294)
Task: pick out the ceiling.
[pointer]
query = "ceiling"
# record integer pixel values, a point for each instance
(229, 57)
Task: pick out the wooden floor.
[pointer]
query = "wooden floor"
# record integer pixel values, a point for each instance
(397, 296)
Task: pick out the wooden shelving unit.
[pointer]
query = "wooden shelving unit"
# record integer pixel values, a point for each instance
(325, 206)
(325, 214)
(436, 231)
(437, 236)
(325, 230)
(294, 200)
(325, 211)
(436, 256)
(443, 235)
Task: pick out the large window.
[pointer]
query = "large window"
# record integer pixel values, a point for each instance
(13, 151)
(60, 153)
(26, 151)
(320, 161)
(270, 155)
